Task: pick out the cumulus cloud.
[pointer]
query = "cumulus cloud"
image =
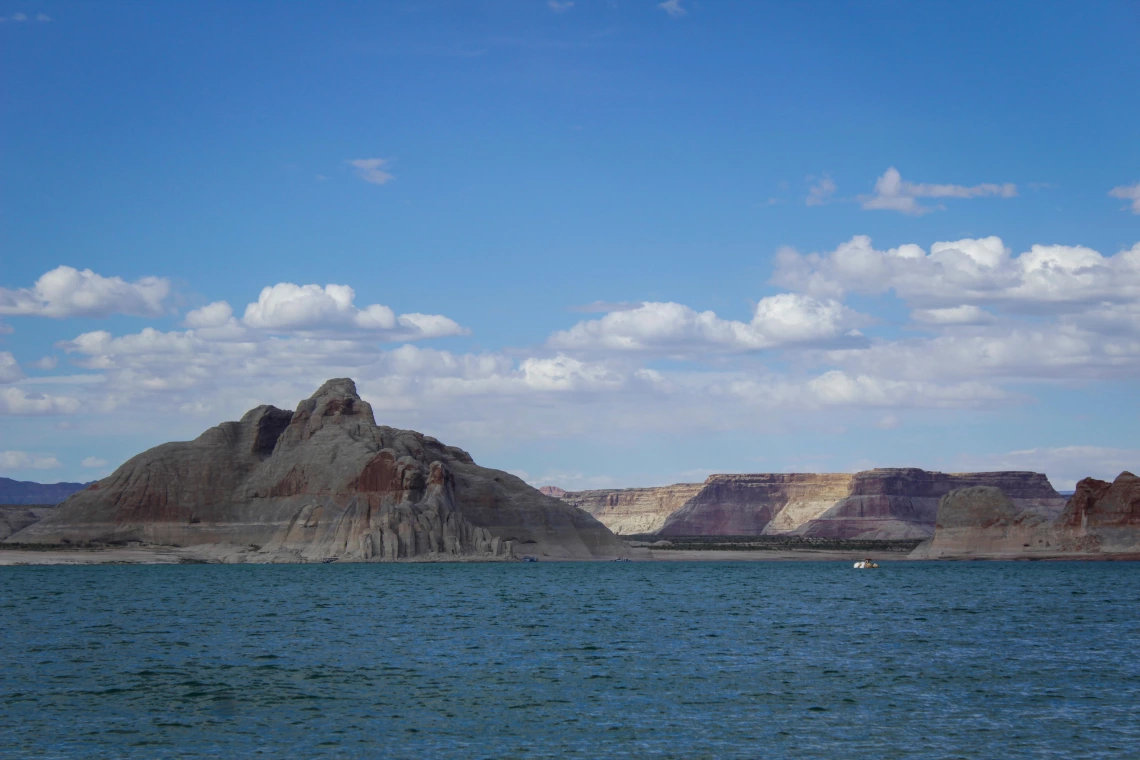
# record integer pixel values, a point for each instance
(289, 307)
(1049, 278)
(673, 328)
(10, 370)
(371, 170)
(17, 401)
(820, 191)
(23, 460)
(1128, 193)
(68, 292)
(673, 8)
(46, 362)
(893, 193)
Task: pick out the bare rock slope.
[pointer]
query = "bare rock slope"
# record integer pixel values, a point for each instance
(321, 482)
(1101, 519)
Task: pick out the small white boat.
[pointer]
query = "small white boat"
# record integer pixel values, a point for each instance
(865, 564)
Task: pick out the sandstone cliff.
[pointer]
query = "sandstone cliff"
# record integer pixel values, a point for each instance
(876, 504)
(321, 482)
(1101, 519)
(903, 502)
(632, 511)
(753, 505)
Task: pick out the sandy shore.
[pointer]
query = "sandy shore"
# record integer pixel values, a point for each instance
(157, 555)
(167, 555)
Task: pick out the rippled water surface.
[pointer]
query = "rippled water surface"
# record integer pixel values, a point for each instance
(798, 659)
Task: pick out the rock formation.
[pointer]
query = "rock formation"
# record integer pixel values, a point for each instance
(875, 504)
(16, 517)
(753, 505)
(903, 503)
(633, 511)
(324, 481)
(1101, 519)
(554, 491)
(27, 492)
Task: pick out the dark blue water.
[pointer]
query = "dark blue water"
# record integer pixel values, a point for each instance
(954, 660)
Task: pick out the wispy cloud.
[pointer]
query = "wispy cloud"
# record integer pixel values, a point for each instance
(18, 17)
(820, 191)
(94, 462)
(893, 193)
(1128, 193)
(673, 8)
(22, 460)
(371, 170)
(560, 7)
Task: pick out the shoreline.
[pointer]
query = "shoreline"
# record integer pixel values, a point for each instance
(175, 555)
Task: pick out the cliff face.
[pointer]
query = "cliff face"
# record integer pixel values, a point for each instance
(323, 481)
(1101, 519)
(631, 511)
(752, 505)
(903, 502)
(880, 503)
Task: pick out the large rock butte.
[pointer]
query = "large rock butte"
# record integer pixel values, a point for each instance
(324, 481)
(1101, 519)
(900, 503)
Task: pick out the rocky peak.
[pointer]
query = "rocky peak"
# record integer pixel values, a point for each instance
(335, 403)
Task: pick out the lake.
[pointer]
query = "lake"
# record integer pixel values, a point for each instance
(748, 659)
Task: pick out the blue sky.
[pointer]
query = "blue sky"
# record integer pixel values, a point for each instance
(654, 240)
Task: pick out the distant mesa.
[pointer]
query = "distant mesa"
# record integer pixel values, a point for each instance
(889, 503)
(1101, 519)
(322, 482)
(554, 491)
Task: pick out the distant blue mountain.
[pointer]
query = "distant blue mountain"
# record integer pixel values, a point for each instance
(27, 492)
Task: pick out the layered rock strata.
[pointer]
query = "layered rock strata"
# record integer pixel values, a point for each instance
(324, 481)
(753, 505)
(899, 503)
(633, 511)
(1101, 519)
(903, 503)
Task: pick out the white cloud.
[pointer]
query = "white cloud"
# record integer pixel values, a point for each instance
(10, 370)
(1128, 193)
(893, 193)
(1044, 279)
(17, 401)
(371, 170)
(673, 328)
(956, 315)
(673, 8)
(289, 307)
(19, 17)
(68, 292)
(46, 362)
(560, 7)
(216, 314)
(821, 191)
(94, 462)
(23, 460)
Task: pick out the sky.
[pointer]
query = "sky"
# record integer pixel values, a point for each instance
(596, 244)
